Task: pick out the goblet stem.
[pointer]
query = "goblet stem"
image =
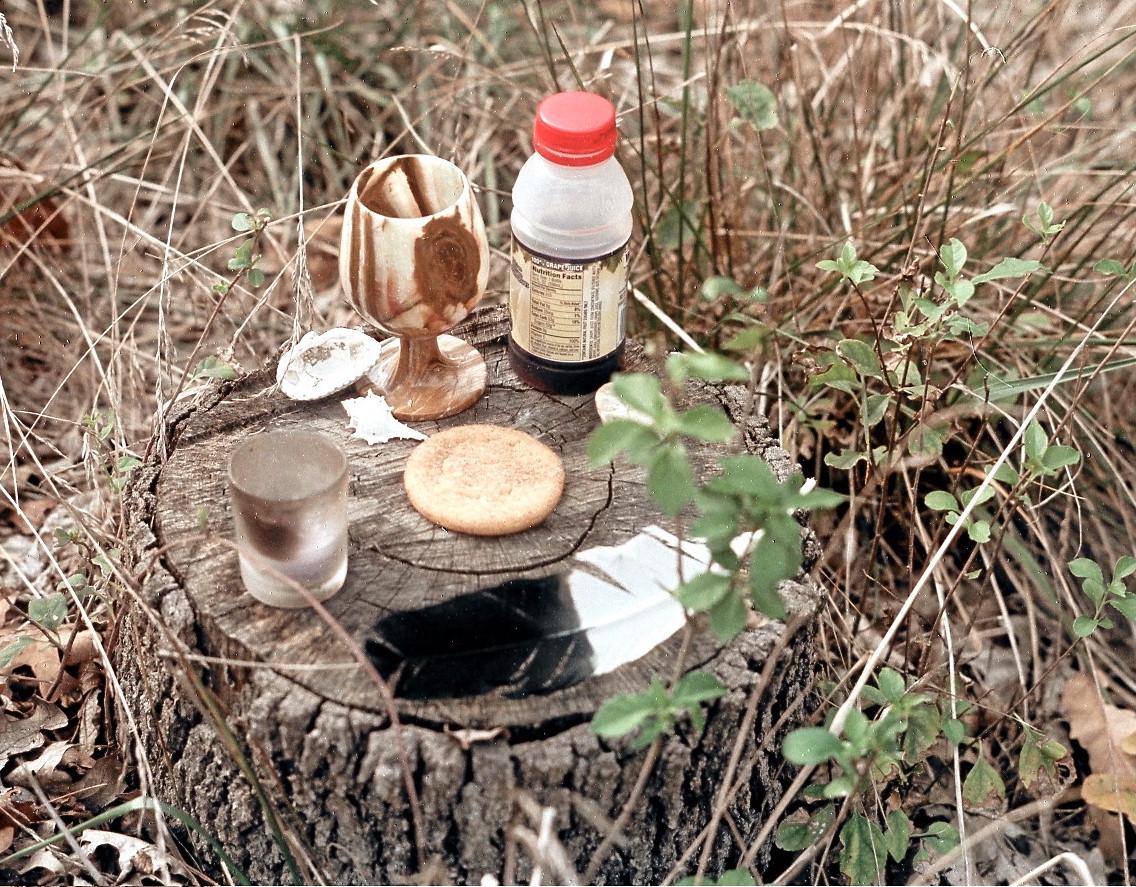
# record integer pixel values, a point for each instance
(415, 358)
(429, 377)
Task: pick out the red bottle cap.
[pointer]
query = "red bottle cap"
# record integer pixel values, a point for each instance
(575, 129)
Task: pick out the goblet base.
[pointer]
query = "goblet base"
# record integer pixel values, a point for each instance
(428, 378)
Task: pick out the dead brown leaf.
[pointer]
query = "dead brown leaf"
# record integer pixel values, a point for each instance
(82, 649)
(1100, 729)
(42, 657)
(21, 735)
(100, 785)
(1112, 793)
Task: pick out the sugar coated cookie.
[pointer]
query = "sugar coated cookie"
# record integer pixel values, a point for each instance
(485, 480)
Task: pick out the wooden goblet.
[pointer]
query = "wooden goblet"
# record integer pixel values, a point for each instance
(414, 261)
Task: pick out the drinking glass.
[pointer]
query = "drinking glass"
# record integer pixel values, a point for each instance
(289, 494)
(414, 261)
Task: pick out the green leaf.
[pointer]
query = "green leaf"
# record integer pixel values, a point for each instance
(1083, 626)
(1109, 267)
(707, 365)
(641, 391)
(718, 522)
(1086, 568)
(979, 531)
(941, 500)
(772, 560)
(897, 838)
(670, 480)
(703, 591)
(845, 460)
(816, 499)
(12, 650)
(697, 686)
(754, 103)
(1038, 754)
(862, 356)
(1094, 590)
(212, 367)
(962, 291)
(841, 787)
(621, 714)
(241, 222)
(728, 617)
(793, 835)
(978, 498)
(1058, 457)
(1008, 267)
(810, 745)
(875, 408)
(983, 786)
(618, 436)
(925, 441)
(954, 730)
(708, 423)
(941, 837)
(1007, 474)
(49, 612)
(839, 376)
(255, 277)
(714, 288)
(746, 475)
(1125, 606)
(242, 256)
(748, 339)
(924, 724)
(891, 684)
(1036, 440)
(1125, 567)
(953, 256)
(864, 855)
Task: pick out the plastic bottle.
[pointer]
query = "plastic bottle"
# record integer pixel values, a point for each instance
(571, 225)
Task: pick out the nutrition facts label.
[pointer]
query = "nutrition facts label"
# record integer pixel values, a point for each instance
(569, 311)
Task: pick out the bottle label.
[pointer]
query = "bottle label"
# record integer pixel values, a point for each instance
(568, 310)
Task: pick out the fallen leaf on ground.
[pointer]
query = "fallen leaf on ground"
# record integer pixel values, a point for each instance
(1112, 793)
(38, 654)
(20, 735)
(134, 854)
(42, 767)
(1100, 729)
(83, 648)
(44, 859)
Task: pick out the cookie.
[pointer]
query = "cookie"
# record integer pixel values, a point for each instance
(485, 480)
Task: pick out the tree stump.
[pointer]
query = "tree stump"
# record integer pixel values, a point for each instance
(315, 731)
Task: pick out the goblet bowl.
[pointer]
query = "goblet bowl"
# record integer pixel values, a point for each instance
(414, 261)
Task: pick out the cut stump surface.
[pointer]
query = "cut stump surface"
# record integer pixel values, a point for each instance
(314, 729)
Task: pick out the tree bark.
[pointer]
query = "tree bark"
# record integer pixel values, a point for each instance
(284, 702)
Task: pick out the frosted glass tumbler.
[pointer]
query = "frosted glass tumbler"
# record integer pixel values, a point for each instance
(289, 493)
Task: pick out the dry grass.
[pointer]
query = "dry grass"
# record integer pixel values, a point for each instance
(130, 135)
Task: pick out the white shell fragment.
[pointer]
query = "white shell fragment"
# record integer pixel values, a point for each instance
(321, 364)
(372, 420)
(609, 406)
